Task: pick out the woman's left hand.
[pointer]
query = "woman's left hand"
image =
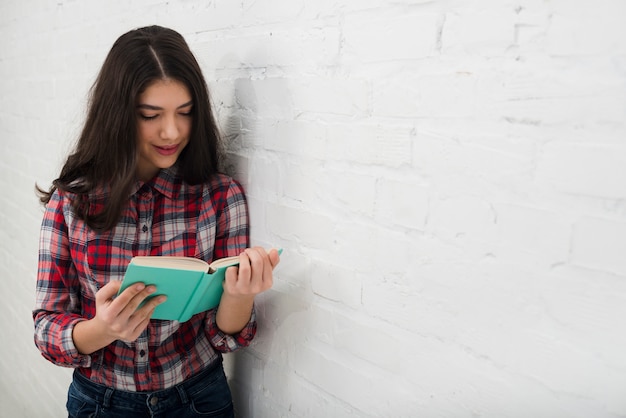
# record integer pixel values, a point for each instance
(254, 274)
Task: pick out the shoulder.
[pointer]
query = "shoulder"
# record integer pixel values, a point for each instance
(224, 181)
(223, 194)
(222, 186)
(60, 201)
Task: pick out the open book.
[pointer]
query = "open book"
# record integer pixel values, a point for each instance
(190, 284)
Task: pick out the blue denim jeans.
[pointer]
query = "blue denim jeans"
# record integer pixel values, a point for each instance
(204, 395)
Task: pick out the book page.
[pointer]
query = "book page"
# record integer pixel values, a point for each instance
(181, 263)
(223, 262)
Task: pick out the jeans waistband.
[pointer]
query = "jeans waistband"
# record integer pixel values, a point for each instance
(166, 398)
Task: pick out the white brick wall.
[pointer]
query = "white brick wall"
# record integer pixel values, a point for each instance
(479, 146)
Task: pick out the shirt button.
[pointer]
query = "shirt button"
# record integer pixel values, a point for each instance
(145, 228)
(142, 353)
(154, 400)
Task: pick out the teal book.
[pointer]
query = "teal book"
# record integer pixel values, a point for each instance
(191, 285)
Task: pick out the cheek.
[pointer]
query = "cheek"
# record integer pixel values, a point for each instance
(187, 128)
(143, 134)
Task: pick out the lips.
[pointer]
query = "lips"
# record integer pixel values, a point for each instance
(167, 149)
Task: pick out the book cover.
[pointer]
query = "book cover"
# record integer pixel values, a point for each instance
(191, 285)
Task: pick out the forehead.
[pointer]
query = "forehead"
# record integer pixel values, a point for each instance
(165, 93)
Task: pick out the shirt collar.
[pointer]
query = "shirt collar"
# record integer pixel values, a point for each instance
(167, 182)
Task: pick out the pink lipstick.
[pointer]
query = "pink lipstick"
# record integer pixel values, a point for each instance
(166, 150)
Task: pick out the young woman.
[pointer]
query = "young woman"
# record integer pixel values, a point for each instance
(143, 180)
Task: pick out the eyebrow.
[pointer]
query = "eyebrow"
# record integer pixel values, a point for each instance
(152, 107)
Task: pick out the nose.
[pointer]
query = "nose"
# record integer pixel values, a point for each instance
(169, 128)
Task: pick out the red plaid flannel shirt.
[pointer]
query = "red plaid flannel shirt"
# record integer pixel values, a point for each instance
(163, 217)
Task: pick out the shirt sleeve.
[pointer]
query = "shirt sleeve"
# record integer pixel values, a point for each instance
(58, 291)
(232, 237)
(226, 343)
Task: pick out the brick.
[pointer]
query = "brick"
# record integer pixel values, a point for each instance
(361, 386)
(268, 98)
(382, 35)
(583, 169)
(486, 32)
(600, 244)
(259, 48)
(326, 95)
(294, 137)
(603, 29)
(458, 216)
(336, 283)
(445, 94)
(383, 145)
(296, 224)
(523, 230)
(403, 203)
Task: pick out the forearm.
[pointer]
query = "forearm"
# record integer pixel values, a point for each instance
(234, 313)
(88, 337)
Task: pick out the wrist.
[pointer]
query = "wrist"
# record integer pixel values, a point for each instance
(88, 337)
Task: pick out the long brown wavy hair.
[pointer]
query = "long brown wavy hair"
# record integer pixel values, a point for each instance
(106, 151)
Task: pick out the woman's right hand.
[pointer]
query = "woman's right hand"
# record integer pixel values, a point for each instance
(117, 317)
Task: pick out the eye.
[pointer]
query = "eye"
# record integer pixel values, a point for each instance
(186, 113)
(147, 117)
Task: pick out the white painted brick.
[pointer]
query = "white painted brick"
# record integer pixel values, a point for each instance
(337, 283)
(300, 138)
(403, 203)
(600, 244)
(586, 169)
(271, 11)
(460, 216)
(390, 35)
(524, 230)
(285, 46)
(336, 96)
(603, 31)
(352, 246)
(271, 97)
(379, 396)
(431, 95)
(265, 173)
(298, 225)
(316, 185)
(370, 144)
(355, 193)
(479, 31)
(305, 183)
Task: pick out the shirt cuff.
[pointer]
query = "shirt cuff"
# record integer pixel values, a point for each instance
(227, 343)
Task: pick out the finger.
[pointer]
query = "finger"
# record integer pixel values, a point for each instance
(136, 300)
(274, 257)
(127, 294)
(108, 291)
(261, 269)
(268, 276)
(256, 255)
(231, 277)
(245, 269)
(136, 330)
(145, 312)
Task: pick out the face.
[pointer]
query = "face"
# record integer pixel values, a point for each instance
(164, 123)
